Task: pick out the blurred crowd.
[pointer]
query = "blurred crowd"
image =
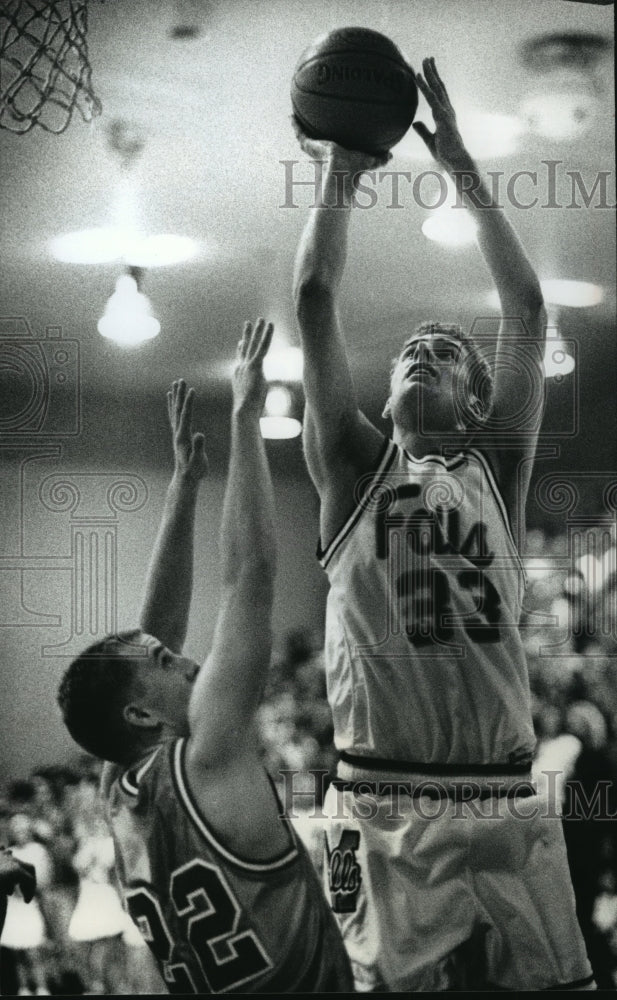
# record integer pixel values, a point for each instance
(75, 937)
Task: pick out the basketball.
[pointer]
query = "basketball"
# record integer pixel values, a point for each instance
(353, 86)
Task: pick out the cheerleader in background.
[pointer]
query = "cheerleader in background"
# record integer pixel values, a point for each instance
(99, 920)
(24, 931)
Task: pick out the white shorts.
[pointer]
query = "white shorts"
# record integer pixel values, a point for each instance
(433, 893)
(24, 927)
(98, 913)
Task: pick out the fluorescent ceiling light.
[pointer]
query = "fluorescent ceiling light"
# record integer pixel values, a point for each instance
(454, 227)
(562, 114)
(280, 428)
(87, 246)
(284, 364)
(278, 402)
(486, 135)
(106, 244)
(160, 251)
(562, 292)
(277, 421)
(577, 294)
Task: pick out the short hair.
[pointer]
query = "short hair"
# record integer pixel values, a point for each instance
(480, 375)
(94, 692)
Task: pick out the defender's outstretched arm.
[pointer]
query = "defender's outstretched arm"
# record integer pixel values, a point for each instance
(229, 685)
(169, 582)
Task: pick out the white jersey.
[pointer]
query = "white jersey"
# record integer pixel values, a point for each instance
(424, 658)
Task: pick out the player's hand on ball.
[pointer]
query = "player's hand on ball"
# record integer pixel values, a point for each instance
(445, 143)
(354, 161)
(189, 448)
(249, 385)
(317, 149)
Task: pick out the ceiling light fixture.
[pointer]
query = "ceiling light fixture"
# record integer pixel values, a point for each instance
(575, 294)
(487, 135)
(284, 364)
(88, 246)
(563, 292)
(450, 223)
(490, 134)
(124, 238)
(106, 244)
(280, 428)
(565, 82)
(277, 422)
(128, 318)
(453, 227)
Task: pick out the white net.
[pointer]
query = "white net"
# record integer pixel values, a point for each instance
(45, 74)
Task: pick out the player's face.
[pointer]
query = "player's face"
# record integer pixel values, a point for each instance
(425, 382)
(168, 679)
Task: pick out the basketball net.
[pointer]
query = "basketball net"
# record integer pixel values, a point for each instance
(45, 74)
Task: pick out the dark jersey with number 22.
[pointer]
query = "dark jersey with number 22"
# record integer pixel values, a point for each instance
(216, 922)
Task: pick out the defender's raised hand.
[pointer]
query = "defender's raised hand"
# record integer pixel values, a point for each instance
(445, 143)
(248, 383)
(189, 448)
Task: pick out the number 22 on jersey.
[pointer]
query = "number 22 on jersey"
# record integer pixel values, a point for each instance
(226, 956)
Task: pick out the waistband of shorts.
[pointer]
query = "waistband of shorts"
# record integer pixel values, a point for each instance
(437, 781)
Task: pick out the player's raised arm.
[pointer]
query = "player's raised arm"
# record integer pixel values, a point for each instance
(170, 575)
(522, 306)
(343, 438)
(228, 688)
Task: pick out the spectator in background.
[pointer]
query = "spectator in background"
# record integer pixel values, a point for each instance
(605, 921)
(589, 802)
(15, 876)
(52, 825)
(295, 718)
(24, 930)
(99, 919)
(556, 752)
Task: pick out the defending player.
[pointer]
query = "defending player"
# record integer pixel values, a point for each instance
(427, 676)
(217, 882)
